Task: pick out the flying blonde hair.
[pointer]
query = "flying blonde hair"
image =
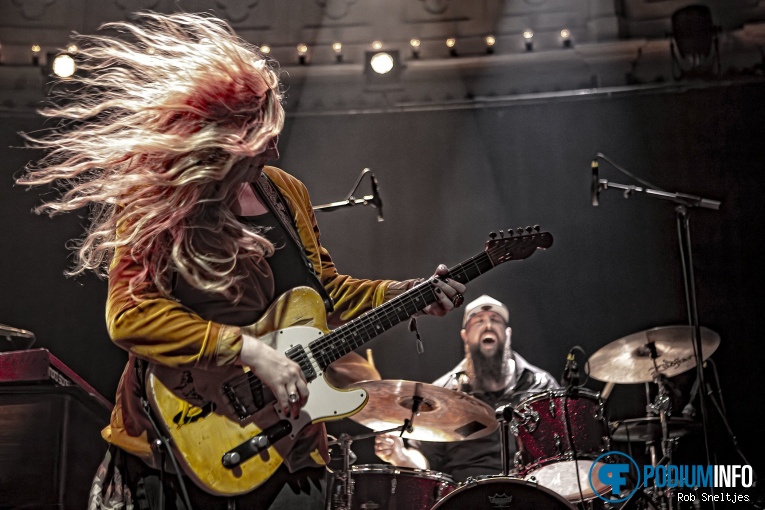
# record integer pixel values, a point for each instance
(154, 136)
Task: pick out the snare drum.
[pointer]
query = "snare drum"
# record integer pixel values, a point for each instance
(384, 487)
(559, 435)
(495, 492)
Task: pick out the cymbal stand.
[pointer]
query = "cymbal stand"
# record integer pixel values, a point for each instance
(662, 405)
(684, 204)
(342, 498)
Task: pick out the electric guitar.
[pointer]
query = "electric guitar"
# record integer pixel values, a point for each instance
(226, 429)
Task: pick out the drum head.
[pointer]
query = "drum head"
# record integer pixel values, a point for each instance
(561, 478)
(503, 492)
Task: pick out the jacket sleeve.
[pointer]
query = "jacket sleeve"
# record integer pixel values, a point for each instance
(162, 330)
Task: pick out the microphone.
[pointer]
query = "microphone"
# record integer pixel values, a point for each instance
(376, 198)
(570, 375)
(595, 186)
(689, 411)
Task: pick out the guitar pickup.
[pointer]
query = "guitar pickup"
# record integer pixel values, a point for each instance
(236, 403)
(257, 444)
(299, 356)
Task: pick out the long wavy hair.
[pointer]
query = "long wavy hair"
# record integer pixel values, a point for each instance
(154, 137)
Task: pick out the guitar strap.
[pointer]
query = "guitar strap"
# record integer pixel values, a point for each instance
(163, 445)
(278, 205)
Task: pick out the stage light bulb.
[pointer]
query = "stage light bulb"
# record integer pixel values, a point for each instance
(381, 63)
(565, 33)
(490, 40)
(414, 43)
(64, 66)
(302, 49)
(377, 45)
(36, 48)
(265, 49)
(528, 34)
(72, 48)
(337, 47)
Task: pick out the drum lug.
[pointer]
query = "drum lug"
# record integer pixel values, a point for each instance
(393, 484)
(607, 443)
(558, 445)
(552, 406)
(518, 461)
(530, 419)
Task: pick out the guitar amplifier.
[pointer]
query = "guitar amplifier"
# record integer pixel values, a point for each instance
(50, 432)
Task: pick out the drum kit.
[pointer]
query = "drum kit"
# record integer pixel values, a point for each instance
(560, 435)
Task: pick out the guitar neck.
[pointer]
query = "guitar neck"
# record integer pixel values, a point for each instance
(364, 328)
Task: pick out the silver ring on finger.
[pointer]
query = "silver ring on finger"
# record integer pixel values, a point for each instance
(293, 398)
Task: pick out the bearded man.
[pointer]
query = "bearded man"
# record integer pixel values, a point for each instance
(492, 372)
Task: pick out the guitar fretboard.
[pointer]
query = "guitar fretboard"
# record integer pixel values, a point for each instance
(364, 328)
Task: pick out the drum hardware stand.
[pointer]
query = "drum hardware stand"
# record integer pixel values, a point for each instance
(342, 498)
(684, 203)
(504, 439)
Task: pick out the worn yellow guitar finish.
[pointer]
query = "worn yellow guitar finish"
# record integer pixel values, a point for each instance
(202, 423)
(219, 420)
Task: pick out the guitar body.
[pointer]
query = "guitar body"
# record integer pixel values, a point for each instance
(227, 431)
(203, 422)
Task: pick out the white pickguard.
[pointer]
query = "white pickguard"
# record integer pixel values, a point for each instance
(325, 402)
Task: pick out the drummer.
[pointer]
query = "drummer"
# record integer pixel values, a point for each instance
(492, 372)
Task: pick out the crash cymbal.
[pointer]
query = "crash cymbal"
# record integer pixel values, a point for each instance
(648, 428)
(629, 360)
(443, 414)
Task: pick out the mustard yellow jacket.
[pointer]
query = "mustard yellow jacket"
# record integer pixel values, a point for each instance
(166, 332)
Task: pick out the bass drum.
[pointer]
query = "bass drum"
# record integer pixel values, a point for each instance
(496, 492)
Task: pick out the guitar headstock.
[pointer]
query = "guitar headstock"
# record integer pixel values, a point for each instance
(517, 244)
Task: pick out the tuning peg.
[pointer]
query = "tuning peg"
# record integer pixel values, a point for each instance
(537, 228)
(519, 230)
(529, 230)
(493, 235)
(501, 233)
(510, 232)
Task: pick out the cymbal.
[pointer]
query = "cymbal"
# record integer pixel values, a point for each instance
(628, 360)
(648, 428)
(443, 414)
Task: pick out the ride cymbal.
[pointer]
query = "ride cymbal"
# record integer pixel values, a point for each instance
(442, 414)
(631, 360)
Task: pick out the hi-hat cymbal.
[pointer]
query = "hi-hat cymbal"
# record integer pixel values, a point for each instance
(648, 428)
(629, 360)
(443, 414)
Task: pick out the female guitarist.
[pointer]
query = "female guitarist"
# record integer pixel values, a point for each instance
(165, 135)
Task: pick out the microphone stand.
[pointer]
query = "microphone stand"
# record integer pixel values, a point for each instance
(684, 203)
(350, 200)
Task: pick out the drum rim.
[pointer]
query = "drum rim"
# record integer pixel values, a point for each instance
(390, 469)
(562, 457)
(592, 461)
(514, 480)
(561, 392)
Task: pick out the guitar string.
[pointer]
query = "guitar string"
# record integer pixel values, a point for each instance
(357, 327)
(362, 329)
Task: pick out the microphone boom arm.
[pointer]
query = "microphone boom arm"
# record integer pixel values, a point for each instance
(679, 198)
(374, 199)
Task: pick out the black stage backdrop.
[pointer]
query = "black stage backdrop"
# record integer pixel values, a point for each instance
(448, 178)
